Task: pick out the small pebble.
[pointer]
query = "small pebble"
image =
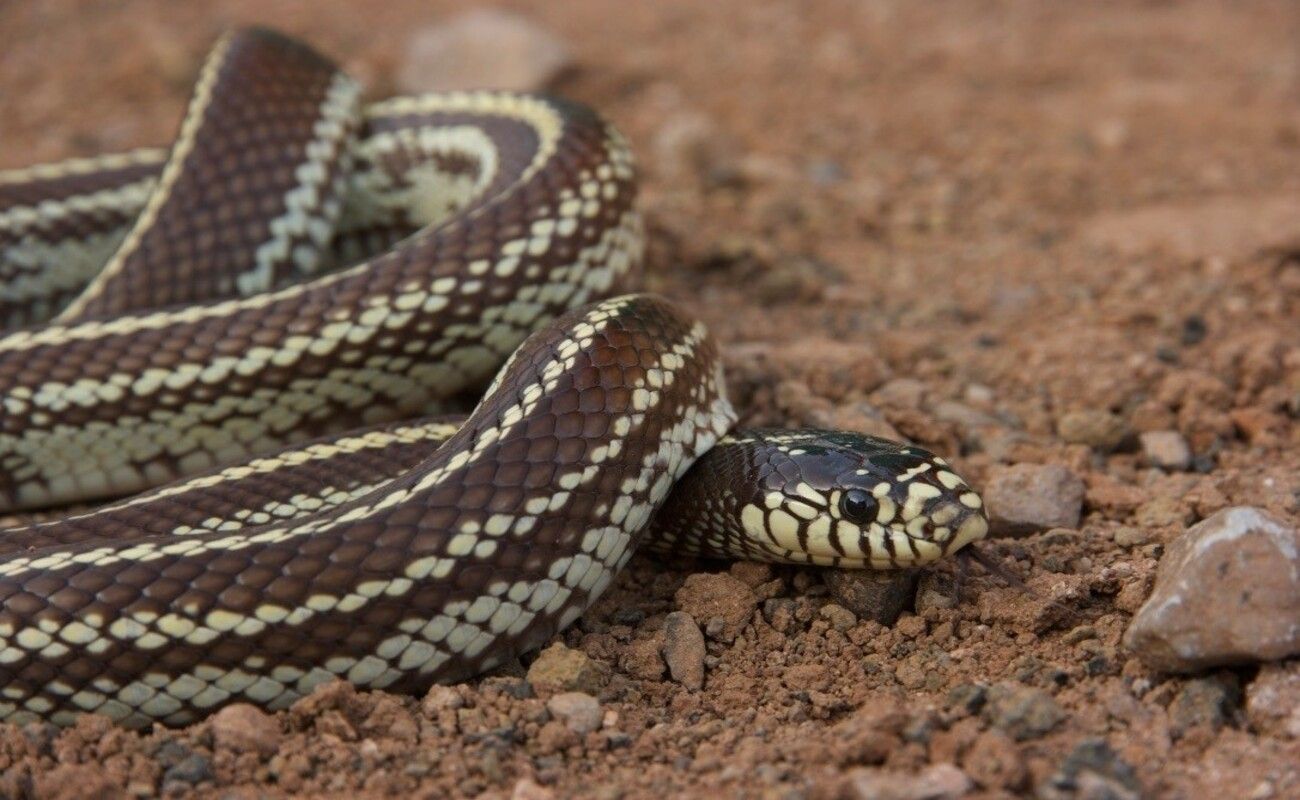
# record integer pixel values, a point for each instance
(1227, 592)
(707, 595)
(879, 595)
(684, 650)
(580, 712)
(1100, 430)
(558, 668)
(1166, 449)
(1028, 498)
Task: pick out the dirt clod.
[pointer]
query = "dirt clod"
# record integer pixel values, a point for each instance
(684, 649)
(717, 596)
(559, 669)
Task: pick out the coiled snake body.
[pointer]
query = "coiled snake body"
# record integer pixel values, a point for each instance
(297, 269)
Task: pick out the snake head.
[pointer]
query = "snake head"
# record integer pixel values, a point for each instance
(851, 500)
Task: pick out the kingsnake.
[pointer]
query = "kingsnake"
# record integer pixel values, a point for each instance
(190, 315)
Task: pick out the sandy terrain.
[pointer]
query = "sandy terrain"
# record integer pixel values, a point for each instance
(1018, 233)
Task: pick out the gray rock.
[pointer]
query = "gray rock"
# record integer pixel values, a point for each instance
(684, 650)
(1023, 712)
(579, 711)
(1166, 449)
(1028, 498)
(482, 49)
(1227, 592)
(880, 595)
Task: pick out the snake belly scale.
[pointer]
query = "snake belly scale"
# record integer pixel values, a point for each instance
(259, 328)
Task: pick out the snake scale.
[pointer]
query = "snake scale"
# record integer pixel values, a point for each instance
(260, 328)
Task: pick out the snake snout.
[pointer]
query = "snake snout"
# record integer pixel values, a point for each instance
(953, 524)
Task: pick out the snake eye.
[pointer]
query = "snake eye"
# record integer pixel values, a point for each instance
(858, 506)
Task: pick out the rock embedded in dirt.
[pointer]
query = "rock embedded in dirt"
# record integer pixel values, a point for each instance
(559, 669)
(684, 649)
(1168, 450)
(1273, 700)
(706, 596)
(879, 595)
(1227, 592)
(1023, 712)
(482, 49)
(1100, 430)
(245, 729)
(579, 711)
(1028, 498)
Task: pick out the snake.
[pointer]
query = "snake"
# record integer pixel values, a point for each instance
(241, 367)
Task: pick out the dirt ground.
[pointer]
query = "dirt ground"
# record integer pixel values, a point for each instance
(962, 221)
